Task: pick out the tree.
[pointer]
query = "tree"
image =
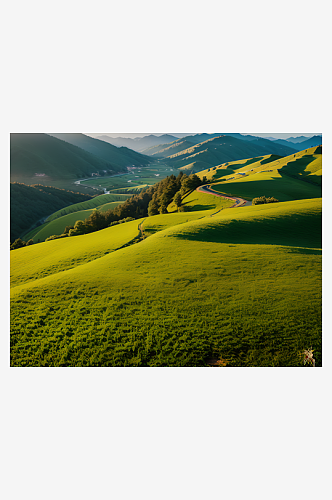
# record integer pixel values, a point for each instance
(178, 199)
(18, 243)
(30, 242)
(163, 209)
(79, 228)
(153, 208)
(95, 221)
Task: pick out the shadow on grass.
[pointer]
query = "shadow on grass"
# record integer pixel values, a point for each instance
(298, 166)
(308, 251)
(198, 208)
(284, 188)
(296, 231)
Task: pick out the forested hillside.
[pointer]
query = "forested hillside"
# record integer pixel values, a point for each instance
(151, 201)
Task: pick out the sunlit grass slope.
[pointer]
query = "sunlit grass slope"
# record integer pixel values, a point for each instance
(197, 201)
(181, 296)
(36, 261)
(157, 223)
(293, 177)
(173, 302)
(95, 202)
(228, 168)
(294, 223)
(58, 225)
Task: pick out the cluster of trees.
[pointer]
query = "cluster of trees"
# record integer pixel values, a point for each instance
(151, 201)
(28, 204)
(18, 243)
(172, 188)
(262, 199)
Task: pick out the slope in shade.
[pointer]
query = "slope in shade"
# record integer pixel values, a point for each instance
(35, 156)
(122, 157)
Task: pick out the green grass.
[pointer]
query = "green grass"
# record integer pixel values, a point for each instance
(58, 225)
(130, 190)
(285, 178)
(157, 223)
(141, 177)
(51, 257)
(294, 223)
(201, 201)
(95, 202)
(241, 285)
(187, 293)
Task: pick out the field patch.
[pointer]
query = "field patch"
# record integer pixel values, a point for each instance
(296, 223)
(196, 201)
(37, 261)
(95, 202)
(173, 302)
(57, 226)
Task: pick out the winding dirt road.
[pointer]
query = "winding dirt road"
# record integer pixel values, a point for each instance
(239, 202)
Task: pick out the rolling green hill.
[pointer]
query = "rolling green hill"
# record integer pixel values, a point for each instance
(121, 157)
(293, 177)
(214, 286)
(42, 158)
(95, 202)
(217, 148)
(58, 225)
(196, 201)
(242, 287)
(224, 149)
(52, 257)
(29, 204)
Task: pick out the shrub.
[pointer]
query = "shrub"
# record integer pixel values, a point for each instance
(18, 243)
(262, 200)
(56, 237)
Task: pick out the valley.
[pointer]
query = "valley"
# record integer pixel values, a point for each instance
(183, 270)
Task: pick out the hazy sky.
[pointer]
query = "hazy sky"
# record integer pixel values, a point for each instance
(271, 134)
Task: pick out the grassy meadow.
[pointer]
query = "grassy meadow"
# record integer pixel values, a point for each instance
(293, 177)
(96, 202)
(183, 296)
(140, 176)
(120, 189)
(211, 286)
(57, 226)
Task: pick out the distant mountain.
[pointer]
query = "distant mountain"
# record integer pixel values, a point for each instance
(284, 142)
(39, 157)
(316, 140)
(299, 146)
(120, 157)
(295, 140)
(139, 143)
(223, 149)
(164, 150)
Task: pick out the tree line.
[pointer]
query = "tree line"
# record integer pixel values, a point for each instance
(151, 201)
